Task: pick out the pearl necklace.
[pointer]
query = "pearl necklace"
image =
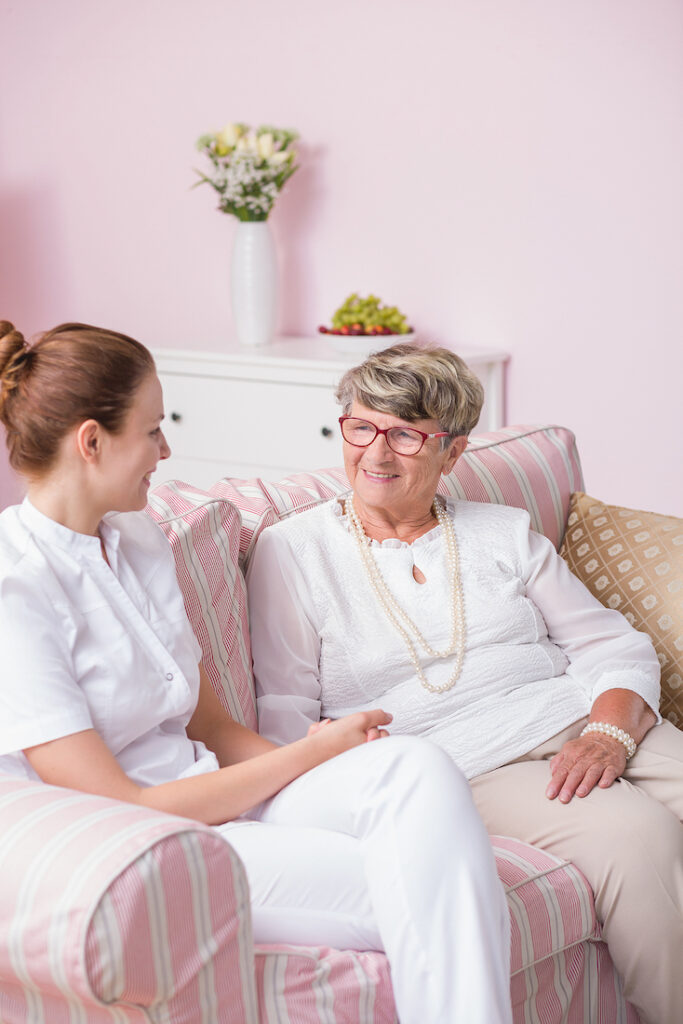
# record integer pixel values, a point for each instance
(400, 619)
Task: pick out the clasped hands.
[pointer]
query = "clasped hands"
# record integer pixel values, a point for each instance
(355, 729)
(583, 763)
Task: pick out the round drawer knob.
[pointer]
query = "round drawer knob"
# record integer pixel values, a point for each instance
(176, 417)
(326, 432)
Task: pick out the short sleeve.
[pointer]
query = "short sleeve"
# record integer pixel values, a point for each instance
(40, 699)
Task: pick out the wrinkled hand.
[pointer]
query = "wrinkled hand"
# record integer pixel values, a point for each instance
(351, 730)
(583, 763)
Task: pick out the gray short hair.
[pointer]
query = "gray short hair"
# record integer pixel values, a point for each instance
(416, 383)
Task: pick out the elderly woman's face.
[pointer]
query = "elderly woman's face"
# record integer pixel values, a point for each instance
(401, 484)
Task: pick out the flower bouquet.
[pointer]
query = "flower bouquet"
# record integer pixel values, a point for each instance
(250, 166)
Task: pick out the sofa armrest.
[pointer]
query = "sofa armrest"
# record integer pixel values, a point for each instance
(107, 904)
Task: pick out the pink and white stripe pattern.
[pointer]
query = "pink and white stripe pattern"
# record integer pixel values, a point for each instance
(536, 468)
(204, 531)
(112, 913)
(318, 985)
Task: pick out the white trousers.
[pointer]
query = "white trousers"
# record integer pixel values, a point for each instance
(382, 848)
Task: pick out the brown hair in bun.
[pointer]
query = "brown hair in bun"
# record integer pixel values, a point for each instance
(13, 354)
(70, 374)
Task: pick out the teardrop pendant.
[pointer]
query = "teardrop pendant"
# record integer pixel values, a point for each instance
(400, 619)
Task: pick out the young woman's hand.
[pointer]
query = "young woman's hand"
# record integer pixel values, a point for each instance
(350, 731)
(317, 726)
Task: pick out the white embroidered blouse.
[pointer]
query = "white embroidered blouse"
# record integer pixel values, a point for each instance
(539, 648)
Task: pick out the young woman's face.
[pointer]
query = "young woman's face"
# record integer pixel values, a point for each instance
(131, 456)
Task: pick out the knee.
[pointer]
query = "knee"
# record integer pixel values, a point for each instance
(426, 765)
(635, 853)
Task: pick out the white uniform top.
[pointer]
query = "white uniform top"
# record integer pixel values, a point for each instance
(86, 646)
(539, 648)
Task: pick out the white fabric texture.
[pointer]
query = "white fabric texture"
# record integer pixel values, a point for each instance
(539, 647)
(358, 853)
(86, 645)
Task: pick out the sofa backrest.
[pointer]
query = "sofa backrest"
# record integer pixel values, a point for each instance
(212, 533)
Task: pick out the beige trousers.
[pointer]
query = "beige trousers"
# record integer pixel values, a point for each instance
(628, 842)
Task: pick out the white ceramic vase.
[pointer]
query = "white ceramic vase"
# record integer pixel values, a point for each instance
(254, 283)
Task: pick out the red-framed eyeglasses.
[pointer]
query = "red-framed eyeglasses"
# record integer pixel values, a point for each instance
(402, 440)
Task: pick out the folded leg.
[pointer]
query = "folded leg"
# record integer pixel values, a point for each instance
(412, 849)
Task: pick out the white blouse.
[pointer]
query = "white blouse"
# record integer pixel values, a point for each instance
(86, 645)
(539, 648)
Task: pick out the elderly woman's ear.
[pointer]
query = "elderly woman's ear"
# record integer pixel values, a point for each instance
(455, 450)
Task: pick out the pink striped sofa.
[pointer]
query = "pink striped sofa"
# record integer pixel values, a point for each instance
(112, 913)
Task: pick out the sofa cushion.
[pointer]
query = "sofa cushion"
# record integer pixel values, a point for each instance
(318, 985)
(535, 468)
(551, 905)
(204, 532)
(633, 561)
(262, 503)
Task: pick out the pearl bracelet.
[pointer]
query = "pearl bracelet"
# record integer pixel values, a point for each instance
(615, 733)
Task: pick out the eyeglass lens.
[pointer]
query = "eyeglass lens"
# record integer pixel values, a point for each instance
(402, 440)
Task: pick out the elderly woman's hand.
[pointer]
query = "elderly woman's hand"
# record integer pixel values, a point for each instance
(583, 763)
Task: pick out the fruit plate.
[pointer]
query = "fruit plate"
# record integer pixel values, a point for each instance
(364, 344)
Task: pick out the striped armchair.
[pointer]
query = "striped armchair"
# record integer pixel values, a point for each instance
(113, 913)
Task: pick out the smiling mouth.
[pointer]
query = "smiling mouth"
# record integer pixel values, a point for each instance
(380, 476)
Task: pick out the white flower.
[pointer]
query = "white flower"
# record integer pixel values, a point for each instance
(248, 144)
(279, 158)
(266, 147)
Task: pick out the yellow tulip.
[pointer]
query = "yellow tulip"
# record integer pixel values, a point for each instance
(227, 137)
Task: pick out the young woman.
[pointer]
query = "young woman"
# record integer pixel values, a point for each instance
(344, 838)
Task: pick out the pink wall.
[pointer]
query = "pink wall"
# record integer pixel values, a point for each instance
(507, 171)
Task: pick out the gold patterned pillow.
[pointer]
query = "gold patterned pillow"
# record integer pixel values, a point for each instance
(633, 561)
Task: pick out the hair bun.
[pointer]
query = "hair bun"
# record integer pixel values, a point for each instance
(9, 332)
(13, 354)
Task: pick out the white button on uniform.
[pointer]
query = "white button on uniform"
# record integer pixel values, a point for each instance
(169, 675)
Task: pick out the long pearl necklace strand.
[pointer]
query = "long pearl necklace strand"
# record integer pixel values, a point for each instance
(400, 619)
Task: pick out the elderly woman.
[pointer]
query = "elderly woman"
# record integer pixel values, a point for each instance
(470, 630)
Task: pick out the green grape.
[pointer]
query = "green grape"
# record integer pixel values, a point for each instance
(369, 312)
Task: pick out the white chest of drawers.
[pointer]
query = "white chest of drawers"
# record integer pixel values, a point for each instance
(270, 411)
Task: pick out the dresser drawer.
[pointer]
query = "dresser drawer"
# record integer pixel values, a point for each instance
(246, 422)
